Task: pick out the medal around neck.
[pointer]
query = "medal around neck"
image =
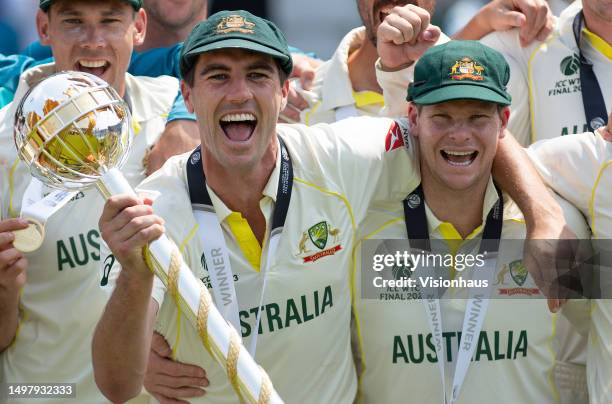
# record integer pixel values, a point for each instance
(74, 132)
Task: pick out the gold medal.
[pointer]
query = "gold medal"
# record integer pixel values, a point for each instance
(30, 238)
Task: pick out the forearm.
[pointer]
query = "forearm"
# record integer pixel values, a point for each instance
(475, 29)
(122, 337)
(513, 171)
(9, 317)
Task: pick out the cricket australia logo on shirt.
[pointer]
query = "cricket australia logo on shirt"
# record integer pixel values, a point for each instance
(518, 273)
(314, 242)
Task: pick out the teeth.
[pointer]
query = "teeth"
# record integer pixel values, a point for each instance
(238, 118)
(455, 163)
(92, 63)
(458, 153)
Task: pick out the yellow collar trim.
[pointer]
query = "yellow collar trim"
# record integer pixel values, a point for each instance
(598, 43)
(245, 238)
(365, 98)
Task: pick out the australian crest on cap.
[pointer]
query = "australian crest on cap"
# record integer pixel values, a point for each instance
(466, 68)
(235, 23)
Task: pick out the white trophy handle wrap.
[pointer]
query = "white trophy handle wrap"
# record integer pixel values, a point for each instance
(221, 339)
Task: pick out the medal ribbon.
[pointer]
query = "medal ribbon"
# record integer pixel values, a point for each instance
(35, 206)
(216, 252)
(476, 308)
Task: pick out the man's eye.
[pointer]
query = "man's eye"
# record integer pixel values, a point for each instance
(110, 20)
(217, 77)
(257, 75)
(72, 21)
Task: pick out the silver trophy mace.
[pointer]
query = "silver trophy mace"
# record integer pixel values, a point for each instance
(74, 131)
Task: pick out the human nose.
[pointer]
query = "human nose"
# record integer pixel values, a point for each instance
(239, 91)
(93, 37)
(461, 132)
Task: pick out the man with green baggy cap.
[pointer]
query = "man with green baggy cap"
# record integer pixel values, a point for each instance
(264, 214)
(434, 350)
(50, 299)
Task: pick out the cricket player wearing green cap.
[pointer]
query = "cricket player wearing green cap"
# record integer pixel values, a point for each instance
(277, 205)
(473, 344)
(50, 299)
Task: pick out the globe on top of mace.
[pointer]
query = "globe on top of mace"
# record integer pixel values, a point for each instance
(71, 128)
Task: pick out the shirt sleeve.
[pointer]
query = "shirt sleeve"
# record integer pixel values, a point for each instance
(157, 62)
(376, 161)
(508, 44)
(569, 166)
(179, 110)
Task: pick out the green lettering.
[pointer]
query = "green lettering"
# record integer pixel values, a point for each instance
(521, 345)
(75, 252)
(509, 347)
(327, 299)
(564, 131)
(273, 316)
(63, 257)
(292, 312)
(448, 336)
(305, 315)
(483, 347)
(432, 357)
(254, 312)
(413, 358)
(244, 325)
(93, 238)
(498, 354)
(398, 350)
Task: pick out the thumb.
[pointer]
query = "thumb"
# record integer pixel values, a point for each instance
(160, 346)
(306, 79)
(431, 34)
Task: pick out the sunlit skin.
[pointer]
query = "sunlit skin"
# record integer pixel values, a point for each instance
(235, 81)
(93, 36)
(239, 157)
(598, 16)
(373, 12)
(175, 13)
(170, 21)
(467, 127)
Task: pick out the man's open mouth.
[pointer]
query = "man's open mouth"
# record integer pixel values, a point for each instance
(94, 66)
(238, 127)
(459, 158)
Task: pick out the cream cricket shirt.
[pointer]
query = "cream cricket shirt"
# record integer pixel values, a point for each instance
(579, 168)
(545, 79)
(520, 342)
(62, 301)
(332, 97)
(304, 338)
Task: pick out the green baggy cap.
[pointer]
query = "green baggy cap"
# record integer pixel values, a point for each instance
(235, 29)
(460, 70)
(45, 4)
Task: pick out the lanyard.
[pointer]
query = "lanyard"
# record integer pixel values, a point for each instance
(216, 252)
(40, 208)
(592, 97)
(476, 308)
